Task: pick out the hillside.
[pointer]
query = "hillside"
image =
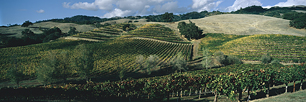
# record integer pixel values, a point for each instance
(242, 24)
(65, 27)
(285, 48)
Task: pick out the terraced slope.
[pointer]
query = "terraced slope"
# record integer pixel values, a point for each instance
(156, 31)
(286, 48)
(101, 34)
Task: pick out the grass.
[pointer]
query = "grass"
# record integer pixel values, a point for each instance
(286, 48)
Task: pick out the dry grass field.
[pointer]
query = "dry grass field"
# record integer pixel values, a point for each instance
(241, 24)
(65, 27)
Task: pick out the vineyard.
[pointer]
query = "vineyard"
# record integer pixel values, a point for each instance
(285, 48)
(230, 81)
(109, 55)
(156, 31)
(103, 33)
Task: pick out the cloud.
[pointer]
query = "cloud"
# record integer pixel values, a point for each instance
(125, 7)
(40, 11)
(291, 3)
(242, 4)
(169, 7)
(117, 12)
(208, 5)
(81, 5)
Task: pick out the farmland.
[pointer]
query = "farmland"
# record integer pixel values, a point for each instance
(115, 50)
(285, 48)
(107, 54)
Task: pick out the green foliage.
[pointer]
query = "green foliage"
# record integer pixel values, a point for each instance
(252, 47)
(179, 63)
(151, 63)
(233, 60)
(275, 61)
(251, 10)
(206, 62)
(54, 66)
(84, 61)
(265, 59)
(147, 64)
(190, 31)
(14, 73)
(128, 27)
(46, 71)
(27, 32)
(26, 24)
(299, 23)
(72, 31)
(225, 80)
(167, 17)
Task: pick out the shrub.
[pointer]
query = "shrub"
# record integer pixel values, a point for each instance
(206, 58)
(275, 61)
(233, 60)
(83, 61)
(220, 57)
(179, 63)
(26, 24)
(265, 59)
(14, 74)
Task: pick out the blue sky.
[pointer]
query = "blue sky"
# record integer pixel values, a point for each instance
(18, 11)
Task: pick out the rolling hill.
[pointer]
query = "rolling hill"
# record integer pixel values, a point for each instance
(65, 27)
(243, 24)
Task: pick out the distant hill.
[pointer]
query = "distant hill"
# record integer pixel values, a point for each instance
(65, 27)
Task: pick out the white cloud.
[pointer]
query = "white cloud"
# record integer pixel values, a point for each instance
(291, 3)
(105, 4)
(40, 11)
(81, 5)
(242, 4)
(208, 5)
(117, 12)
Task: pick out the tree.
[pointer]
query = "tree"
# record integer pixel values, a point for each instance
(27, 32)
(206, 58)
(15, 73)
(84, 61)
(55, 66)
(147, 64)
(64, 69)
(45, 72)
(190, 31)
(72, 31)
(151, 63)
(265, 59)
(26, 24)
(167, 17)
(179, 63)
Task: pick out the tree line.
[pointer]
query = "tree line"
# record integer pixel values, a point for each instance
(28, 36)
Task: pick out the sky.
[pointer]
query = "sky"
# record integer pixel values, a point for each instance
(18, 11)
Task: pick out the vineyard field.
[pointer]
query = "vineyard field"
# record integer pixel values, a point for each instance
(286, 48)
(109, 56)
(156, 31)
(103, 33)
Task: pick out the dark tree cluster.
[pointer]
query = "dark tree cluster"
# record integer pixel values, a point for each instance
(190, 31)
(30, 38)
(26, 24)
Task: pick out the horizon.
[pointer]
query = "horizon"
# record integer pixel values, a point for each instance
(18, 11)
